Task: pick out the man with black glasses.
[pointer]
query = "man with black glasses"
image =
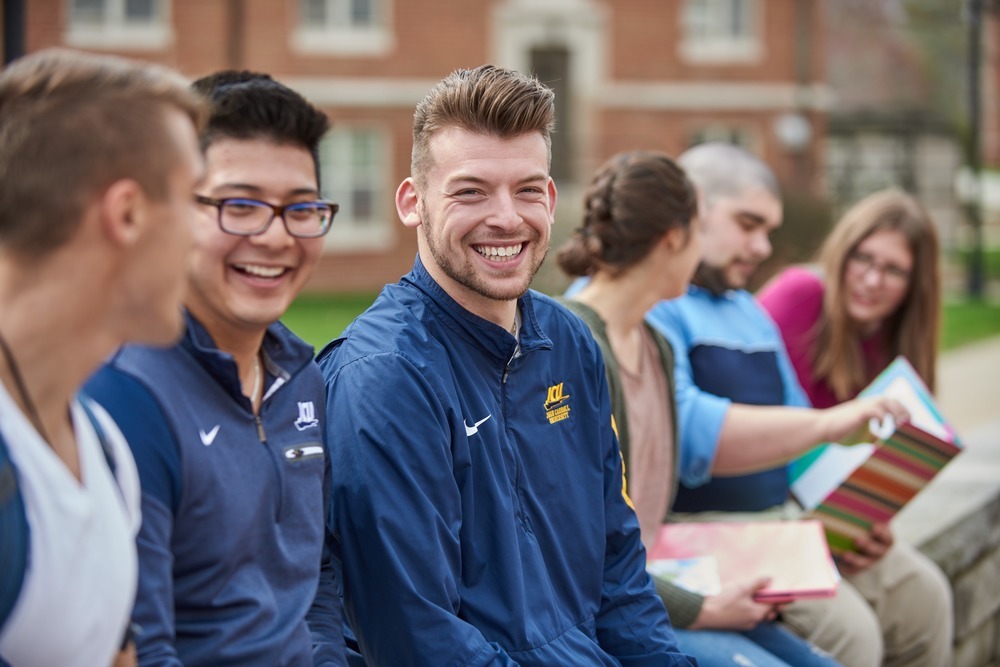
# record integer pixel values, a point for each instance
(224, 427)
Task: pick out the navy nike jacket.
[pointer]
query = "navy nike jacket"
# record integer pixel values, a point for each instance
(233, 507)
(478, 506)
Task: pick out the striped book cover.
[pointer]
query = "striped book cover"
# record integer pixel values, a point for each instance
(900, 465)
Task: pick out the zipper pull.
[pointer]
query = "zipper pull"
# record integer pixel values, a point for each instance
(260, 428)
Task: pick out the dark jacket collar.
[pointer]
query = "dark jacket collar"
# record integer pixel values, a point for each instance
(285, 354)
(491, 337)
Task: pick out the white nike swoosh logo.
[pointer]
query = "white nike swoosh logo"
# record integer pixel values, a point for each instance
(474, 429)
(208, 438)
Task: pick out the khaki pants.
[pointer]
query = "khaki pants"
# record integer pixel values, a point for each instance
(897, 613)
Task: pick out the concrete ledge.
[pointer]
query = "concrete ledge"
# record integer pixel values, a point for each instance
(955, 521)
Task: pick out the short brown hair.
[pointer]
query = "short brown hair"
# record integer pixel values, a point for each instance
(71, 124)
(914, 328)
(486, 100)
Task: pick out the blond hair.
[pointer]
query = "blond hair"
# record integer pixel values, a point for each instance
(71, 124)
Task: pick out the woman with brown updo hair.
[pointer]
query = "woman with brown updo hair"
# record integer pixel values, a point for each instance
(638, 245)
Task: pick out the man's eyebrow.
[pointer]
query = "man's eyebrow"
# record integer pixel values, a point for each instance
(256, 189)
(469, 178)
(751, 217)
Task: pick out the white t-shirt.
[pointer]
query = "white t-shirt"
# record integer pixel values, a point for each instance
(80, 583)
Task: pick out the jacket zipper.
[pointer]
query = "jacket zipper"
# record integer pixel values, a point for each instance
(521, 518)
(275, 464)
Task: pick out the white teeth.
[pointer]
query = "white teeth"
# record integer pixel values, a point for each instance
(501, 253)
(262, 271)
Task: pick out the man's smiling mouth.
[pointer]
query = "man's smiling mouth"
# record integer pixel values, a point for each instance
(260, 271)
(499, 253)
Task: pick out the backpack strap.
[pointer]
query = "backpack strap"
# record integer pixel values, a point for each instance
(86, 404)
(14, 535)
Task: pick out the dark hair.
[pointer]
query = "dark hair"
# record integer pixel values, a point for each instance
(251, 105)
(634, 199)
(487, 100)
(73, 123)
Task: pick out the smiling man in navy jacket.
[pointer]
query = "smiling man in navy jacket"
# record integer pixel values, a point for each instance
(226, 426)
(479, 506)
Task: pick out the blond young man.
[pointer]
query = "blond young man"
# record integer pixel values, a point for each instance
(98, 162)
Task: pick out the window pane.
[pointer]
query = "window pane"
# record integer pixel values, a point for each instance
(362, 201)
(140, 10)
(87, 11)
(313, 11)
(362, 12)
(739, 18)
(362, 144)
(696, 18)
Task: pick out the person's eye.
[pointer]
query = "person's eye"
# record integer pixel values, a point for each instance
(897, 272)
(238, 207)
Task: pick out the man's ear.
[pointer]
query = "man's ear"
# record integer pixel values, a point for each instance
(122, 210)
(553, 196)
(408, 203)
(676, 238)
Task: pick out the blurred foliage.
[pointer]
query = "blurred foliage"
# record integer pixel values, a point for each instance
(939, 28)
(807, 220)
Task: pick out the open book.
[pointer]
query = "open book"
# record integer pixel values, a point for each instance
(705, 556)
(849, 488)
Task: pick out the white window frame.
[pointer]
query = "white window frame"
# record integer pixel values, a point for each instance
(730, 133)
(718, 44)
(337, 36)
(115, 31)
(349, 234)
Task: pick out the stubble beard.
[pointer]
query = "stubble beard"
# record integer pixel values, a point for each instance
(468, 277)
(713, 279)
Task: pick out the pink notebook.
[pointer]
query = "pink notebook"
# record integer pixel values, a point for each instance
(793, 553)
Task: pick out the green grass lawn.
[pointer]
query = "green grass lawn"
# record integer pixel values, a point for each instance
(318, 319)
(968, 321)
(321, 318)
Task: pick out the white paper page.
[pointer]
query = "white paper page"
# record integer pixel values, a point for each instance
(901, 390)
(699, 574)
(827, 472)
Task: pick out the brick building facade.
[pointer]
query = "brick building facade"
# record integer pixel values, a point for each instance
(657, 74)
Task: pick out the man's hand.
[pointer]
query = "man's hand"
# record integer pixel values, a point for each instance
(868, 550)
(846, 419)
(734, 608)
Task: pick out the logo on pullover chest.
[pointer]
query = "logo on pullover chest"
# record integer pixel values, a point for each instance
(307, 416)
(556, 406)
(474, 429)
(209, 437)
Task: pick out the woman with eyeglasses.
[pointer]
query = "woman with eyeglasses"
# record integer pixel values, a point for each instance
(877, 295)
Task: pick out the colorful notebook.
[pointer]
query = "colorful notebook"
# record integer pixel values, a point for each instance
(849, 488)
(793, 553)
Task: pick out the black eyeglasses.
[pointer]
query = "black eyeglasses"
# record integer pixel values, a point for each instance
(861, 263)
(250, 217)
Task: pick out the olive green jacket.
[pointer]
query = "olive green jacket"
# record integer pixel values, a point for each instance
(683, 606)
